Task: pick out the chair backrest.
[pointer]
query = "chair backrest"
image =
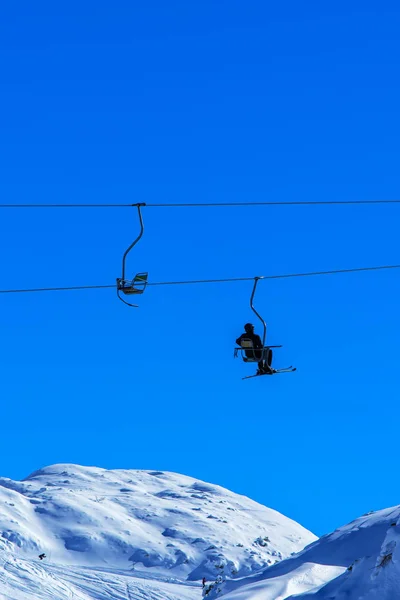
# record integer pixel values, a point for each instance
(245, 343)
(137, 285)
(248, 348)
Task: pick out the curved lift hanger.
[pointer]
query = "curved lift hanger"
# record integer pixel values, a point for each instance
(256, 280)
(137, 285)
(249, 353)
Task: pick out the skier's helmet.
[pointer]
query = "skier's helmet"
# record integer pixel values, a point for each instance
(249, 327)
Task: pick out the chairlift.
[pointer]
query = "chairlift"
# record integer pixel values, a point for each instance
(250, 354)
(137, 285)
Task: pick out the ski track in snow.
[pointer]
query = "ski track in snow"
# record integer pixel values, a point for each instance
(22, 579)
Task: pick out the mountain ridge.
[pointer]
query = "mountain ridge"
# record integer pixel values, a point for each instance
(159, 521)
(358, 561)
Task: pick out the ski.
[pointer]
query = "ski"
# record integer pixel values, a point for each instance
(286, 370)
(276, 372)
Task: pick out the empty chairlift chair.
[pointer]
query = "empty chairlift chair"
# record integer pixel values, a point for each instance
(137, 285)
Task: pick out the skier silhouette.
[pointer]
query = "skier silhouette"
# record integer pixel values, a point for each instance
(264, 366)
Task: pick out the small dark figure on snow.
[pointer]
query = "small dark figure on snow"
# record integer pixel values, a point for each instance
(204, 582)
(264, 366)
(42, 556)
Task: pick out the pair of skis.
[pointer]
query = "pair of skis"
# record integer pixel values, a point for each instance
(275, 372)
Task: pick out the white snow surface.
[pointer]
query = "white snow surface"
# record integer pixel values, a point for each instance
(360, 561)
(129, 534)
(22, 579)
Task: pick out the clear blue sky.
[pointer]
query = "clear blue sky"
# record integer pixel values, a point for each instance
(204, 102)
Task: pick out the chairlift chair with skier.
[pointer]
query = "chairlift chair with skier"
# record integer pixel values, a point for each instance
(253, 349)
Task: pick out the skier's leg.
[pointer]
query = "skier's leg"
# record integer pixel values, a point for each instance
(269, 362)
(265, 364)
(259, 355)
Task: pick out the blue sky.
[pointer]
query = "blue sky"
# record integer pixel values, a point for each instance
(204, 102)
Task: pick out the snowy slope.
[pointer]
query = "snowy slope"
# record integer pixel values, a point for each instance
(360, 561)
(129, 525)
(22, 579)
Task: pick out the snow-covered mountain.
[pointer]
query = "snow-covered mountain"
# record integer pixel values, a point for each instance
(150, 535)
(135, 534)
(360, 561)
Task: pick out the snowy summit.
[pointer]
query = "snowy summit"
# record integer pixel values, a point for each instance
(150, 525)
